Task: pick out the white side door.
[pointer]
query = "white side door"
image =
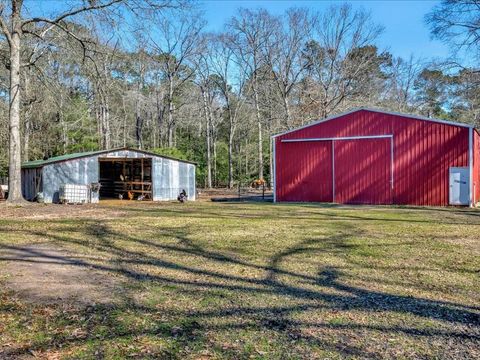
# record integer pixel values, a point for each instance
(459, 186)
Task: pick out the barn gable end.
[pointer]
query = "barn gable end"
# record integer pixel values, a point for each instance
(356, 161)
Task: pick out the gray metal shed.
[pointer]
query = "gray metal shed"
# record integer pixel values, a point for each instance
(118, 171)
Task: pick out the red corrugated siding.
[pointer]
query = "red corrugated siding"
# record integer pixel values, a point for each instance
(423, 152)
(476, 166)
(305, 172)
(363, 171)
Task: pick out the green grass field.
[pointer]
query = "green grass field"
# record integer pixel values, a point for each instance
(250, 281)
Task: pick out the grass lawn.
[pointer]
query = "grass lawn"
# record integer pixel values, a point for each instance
(245, 281)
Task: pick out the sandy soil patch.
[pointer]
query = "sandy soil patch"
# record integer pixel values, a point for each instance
(55, 211)
(43, 274)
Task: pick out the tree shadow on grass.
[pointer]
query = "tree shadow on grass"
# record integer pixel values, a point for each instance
(146, 263)
(316, 212)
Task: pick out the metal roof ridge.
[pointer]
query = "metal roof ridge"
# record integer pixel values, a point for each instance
(63, 157)
(66, 157)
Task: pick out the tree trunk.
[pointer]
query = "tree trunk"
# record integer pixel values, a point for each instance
(124, 122)
(259, 126)
(26, 136)
(230, 158)
(322, 111)
(260, 151)
(271, 129)
(207, 138)
(15, 150)
(170, 135)
(153, 121)
(288, 117)
(209, 154)
(171, 109)
(102, 114)
(138, 130)
(64, 127)
(139, 118)
(27, 123)
(215, 180)
(231, 133)
(138, 125)
(246, 157)
(160, 113)
(106, 125)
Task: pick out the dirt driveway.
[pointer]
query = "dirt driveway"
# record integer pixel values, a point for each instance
(44, 274)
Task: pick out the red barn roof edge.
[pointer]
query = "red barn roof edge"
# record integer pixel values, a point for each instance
(415, 117)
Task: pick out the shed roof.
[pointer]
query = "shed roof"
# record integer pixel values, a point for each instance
(411, 116)
(66, 157)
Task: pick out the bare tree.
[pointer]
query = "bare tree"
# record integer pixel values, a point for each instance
(284, 54)
(206, 84)
(465, 96)
(400, 83)
(252, 30)
(101, 80)
(458, 23)
(140, 69)
(335, 59)
(175, 45)
(230, 79)
(15, 29)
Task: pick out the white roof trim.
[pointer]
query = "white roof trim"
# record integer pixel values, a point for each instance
(367, 137)
(415, 117)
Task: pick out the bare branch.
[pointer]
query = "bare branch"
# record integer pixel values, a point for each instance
(4, 27)
(71, 13)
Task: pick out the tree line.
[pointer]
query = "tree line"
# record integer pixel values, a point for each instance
(148, 74)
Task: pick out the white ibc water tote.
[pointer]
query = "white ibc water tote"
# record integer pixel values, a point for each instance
(74, 194)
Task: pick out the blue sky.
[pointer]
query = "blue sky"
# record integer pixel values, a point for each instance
(405, 30)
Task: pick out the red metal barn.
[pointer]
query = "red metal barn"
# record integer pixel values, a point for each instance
(368, 156)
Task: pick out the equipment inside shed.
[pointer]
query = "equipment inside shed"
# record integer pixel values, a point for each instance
(126, 178)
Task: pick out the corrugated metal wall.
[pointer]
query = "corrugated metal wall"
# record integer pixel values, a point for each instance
(83, 171)
(169, 176)
(423, 152)
(363, 171)
(307, 177)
